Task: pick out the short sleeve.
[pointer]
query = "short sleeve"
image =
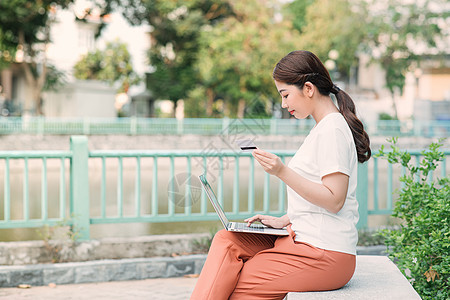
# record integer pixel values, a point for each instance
(333, 152)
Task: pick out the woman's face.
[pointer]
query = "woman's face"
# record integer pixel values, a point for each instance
(295, 100)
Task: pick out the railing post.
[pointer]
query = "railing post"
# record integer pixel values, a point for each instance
(180, 126)
(225, 126)
(273, 126)
(86, 126)
(40, 125)
(362, 194)
(133, 125)
(79, 188)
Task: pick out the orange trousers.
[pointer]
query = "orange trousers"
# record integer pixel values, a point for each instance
(258, 266)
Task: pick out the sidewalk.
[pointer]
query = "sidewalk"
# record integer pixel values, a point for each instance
(179, 288)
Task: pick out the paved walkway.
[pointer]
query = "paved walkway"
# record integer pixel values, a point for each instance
(164, 288)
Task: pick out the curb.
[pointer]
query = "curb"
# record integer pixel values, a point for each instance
(101, 270)
(37, 252)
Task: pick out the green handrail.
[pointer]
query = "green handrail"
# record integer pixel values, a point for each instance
(162, 208)
(206, 126)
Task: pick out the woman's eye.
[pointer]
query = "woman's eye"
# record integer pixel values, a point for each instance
(285, 96)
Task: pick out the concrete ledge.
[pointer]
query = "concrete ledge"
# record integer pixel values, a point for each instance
(376, 277)
(101, 270)
(36, 252)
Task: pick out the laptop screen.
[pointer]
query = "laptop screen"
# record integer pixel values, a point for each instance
(213, 199)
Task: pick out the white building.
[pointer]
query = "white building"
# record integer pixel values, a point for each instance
(426, 95)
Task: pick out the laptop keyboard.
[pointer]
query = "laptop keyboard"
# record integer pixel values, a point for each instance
(251, 227)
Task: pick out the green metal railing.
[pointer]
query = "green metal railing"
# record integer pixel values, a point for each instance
(26, 157)
(210, 126)
(165, 187)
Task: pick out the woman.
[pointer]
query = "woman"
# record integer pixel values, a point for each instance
(322, 210)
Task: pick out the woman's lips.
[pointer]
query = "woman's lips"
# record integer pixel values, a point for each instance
(291, 112)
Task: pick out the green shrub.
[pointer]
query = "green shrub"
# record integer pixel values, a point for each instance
(386, 116)
(370, 237)
(421, 246)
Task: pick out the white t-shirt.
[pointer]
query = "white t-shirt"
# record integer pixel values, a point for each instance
(329, 148)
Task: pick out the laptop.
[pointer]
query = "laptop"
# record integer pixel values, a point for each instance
(235, 226)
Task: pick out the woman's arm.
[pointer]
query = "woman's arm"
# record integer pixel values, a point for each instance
(330, 194)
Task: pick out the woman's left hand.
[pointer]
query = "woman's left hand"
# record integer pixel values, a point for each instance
(270, 162)
(269, 221)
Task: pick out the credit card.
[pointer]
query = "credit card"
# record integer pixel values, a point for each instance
(246, 145)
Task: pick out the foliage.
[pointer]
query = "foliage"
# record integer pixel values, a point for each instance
(195, 103)
(55, 79)
(239, 53)
(335, 25)
(27, 18)
(422, 244)
(367, 237)
(385, 116)
(226, 48)
(112, 65)
(401, 33)
(296, 10)
(175, 30)
(202, 245)
(59, 237)
(25, 28)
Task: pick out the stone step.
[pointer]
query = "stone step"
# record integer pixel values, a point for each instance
(101, 270)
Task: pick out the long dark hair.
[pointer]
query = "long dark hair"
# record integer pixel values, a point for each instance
(301, 66)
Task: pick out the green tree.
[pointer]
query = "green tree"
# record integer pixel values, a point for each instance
(24, 35)
(334, 25)
(112, 65)
(239, 53)
(175, 31)
(296, 10)
(401, 33)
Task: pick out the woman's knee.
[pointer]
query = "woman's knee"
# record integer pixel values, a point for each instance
(223, 235)
(222, 239)
(236, 239)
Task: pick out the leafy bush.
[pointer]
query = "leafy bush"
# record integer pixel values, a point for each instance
(386, 116)
(421, 246)
(370, 237)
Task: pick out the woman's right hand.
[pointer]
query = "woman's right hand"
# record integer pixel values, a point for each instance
(270, 221)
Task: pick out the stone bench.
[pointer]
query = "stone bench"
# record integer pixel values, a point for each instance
(376, 277)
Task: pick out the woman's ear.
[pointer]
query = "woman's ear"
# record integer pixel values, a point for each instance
(309, 89)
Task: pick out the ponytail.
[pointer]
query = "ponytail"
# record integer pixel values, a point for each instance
(360, 136)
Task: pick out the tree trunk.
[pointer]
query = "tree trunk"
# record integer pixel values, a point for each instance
(35, 83)
(209, 102)
(241, 109)
(174, 112)
(394, 106)
(226, 109)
